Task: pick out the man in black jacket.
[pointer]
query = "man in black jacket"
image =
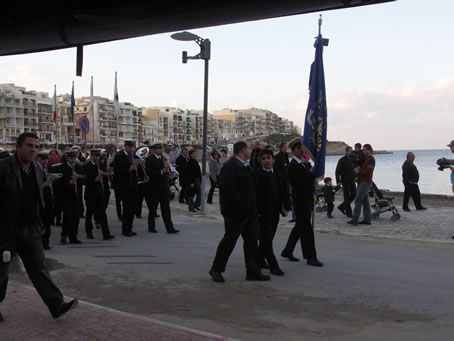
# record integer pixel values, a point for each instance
(410, 177)
(238, 200)
(43, 159)
(66, 196)
(95, 196)
(345, 178)
(181, 164)
(125, 172)
(158, 172)
(272, 201)
(22, 214)
(303, 182)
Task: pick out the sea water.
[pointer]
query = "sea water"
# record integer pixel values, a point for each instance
(388, 170)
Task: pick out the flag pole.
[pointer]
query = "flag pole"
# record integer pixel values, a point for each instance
(56, 117)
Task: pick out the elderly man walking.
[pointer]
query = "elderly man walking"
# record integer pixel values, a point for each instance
(410, 178)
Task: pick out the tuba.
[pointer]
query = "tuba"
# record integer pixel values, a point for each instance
(142, 153)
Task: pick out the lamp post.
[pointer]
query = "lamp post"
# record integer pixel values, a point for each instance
(205, 54)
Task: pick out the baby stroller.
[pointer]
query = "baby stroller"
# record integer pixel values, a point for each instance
(320, 203)
(382, 204)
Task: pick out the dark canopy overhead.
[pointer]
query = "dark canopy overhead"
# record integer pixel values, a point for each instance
(48, 25)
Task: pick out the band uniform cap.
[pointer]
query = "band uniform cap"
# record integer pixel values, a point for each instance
(130, 143)
(76, 148)
(43, 154)
(70, 153)
(451, 144)
(157, 145)
(295, 142)
(4, 154)
(95, 151)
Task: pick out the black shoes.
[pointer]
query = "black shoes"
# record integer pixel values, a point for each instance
(127, 234)
(173, 231)
(330, 216)
(257, 277)
(62, 240)
(46, 246)
(216, 276)
(265, 265)
(108, 237)
(289, 256)
(292, 221)
(66, 307)
(406, 209)
(152, 230)
(90, 236)
(314, 262)
(75, 241)
(277, 272)
(363, 222)
(1, 318)
(421, 208)
(342, 210)
(352, 222)
(138, 216)
(193, 210)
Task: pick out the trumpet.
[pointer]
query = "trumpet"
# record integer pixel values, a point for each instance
(53, 176)
(142, 154)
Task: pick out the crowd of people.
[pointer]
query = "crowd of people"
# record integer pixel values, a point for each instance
(256, 187)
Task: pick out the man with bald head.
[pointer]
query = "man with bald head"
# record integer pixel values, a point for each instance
(410, 178)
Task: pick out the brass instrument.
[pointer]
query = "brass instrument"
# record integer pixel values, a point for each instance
(142, 154)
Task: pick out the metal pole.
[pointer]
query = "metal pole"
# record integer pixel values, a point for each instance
(204, 138)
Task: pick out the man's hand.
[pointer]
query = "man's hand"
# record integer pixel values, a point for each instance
(191, 185)
(356, 170)
(98, 178)
(165, 170)
(284, 213)
(72, 181)
(47, 183)
(132, 168)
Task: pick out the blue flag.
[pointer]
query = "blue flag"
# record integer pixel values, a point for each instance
(72, 103)
(315, 124)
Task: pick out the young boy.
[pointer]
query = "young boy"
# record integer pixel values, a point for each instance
(329, 192)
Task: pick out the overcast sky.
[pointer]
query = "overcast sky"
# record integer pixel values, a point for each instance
(389, 71)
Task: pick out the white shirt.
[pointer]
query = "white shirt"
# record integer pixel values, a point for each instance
(268, 170)
(298, 160)
(245, 163)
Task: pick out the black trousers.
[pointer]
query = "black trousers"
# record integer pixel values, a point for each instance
(349, 191)
(211, 192)
(70, 224)
(117, 193)
(142, 193)
(80, 202)
(268, 226)
(128, 201)
(412, 190)
(235, 226)
(96, 207)
(183, 196)
(330, 208)
(303, 231)
(49, 212)
(159, 195)
(30, 249)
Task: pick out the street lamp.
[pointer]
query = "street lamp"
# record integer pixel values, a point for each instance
(205, 54)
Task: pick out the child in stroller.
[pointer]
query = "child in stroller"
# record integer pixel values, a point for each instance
(382, 204)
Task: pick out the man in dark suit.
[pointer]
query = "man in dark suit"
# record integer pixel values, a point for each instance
(345, 177)
(126, 181)
(22, 214)
(181, 164)
(95, 196)
(303, 183)
(410, 178)
(272, 201)
(66, 195)
(78, 166)
(238, 200)
(43, 159)
(158, 172)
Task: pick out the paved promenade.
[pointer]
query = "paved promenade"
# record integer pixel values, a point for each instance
(389, 280)
(28, 319)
